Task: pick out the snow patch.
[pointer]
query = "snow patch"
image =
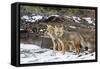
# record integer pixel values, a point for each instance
(72, 27)
(76, 19)
(30, 53)
(89, 20)
(21, 29)
(25, 17)
(32, 18)
(37, 17)
(29, 46)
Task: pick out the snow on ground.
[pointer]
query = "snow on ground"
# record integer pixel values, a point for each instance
(25, 17)
(30, 53)
(89, 20)
(72, 27)
(35, 18)
(76, 19)
(38, 17)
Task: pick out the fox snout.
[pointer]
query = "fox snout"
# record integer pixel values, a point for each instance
(58, 34)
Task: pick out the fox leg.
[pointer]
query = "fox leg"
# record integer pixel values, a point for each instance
(54, 46)
(58, 46)
(72, 45)
(62, 45)
(53, 41)
(78, 49)
(66, 46)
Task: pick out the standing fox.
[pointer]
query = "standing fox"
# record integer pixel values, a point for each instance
(56, 41)
(71, 40)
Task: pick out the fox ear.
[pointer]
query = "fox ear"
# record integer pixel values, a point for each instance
(48, 25)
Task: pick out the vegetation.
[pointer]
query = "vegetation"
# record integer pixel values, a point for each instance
(55, 10)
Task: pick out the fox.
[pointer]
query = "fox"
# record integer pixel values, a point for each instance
(50, 33)
(64, 40)
(71, 40)
(56, 42)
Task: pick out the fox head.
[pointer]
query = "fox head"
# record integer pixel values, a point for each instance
(56, 30)
(59, 30)
(50, 29)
